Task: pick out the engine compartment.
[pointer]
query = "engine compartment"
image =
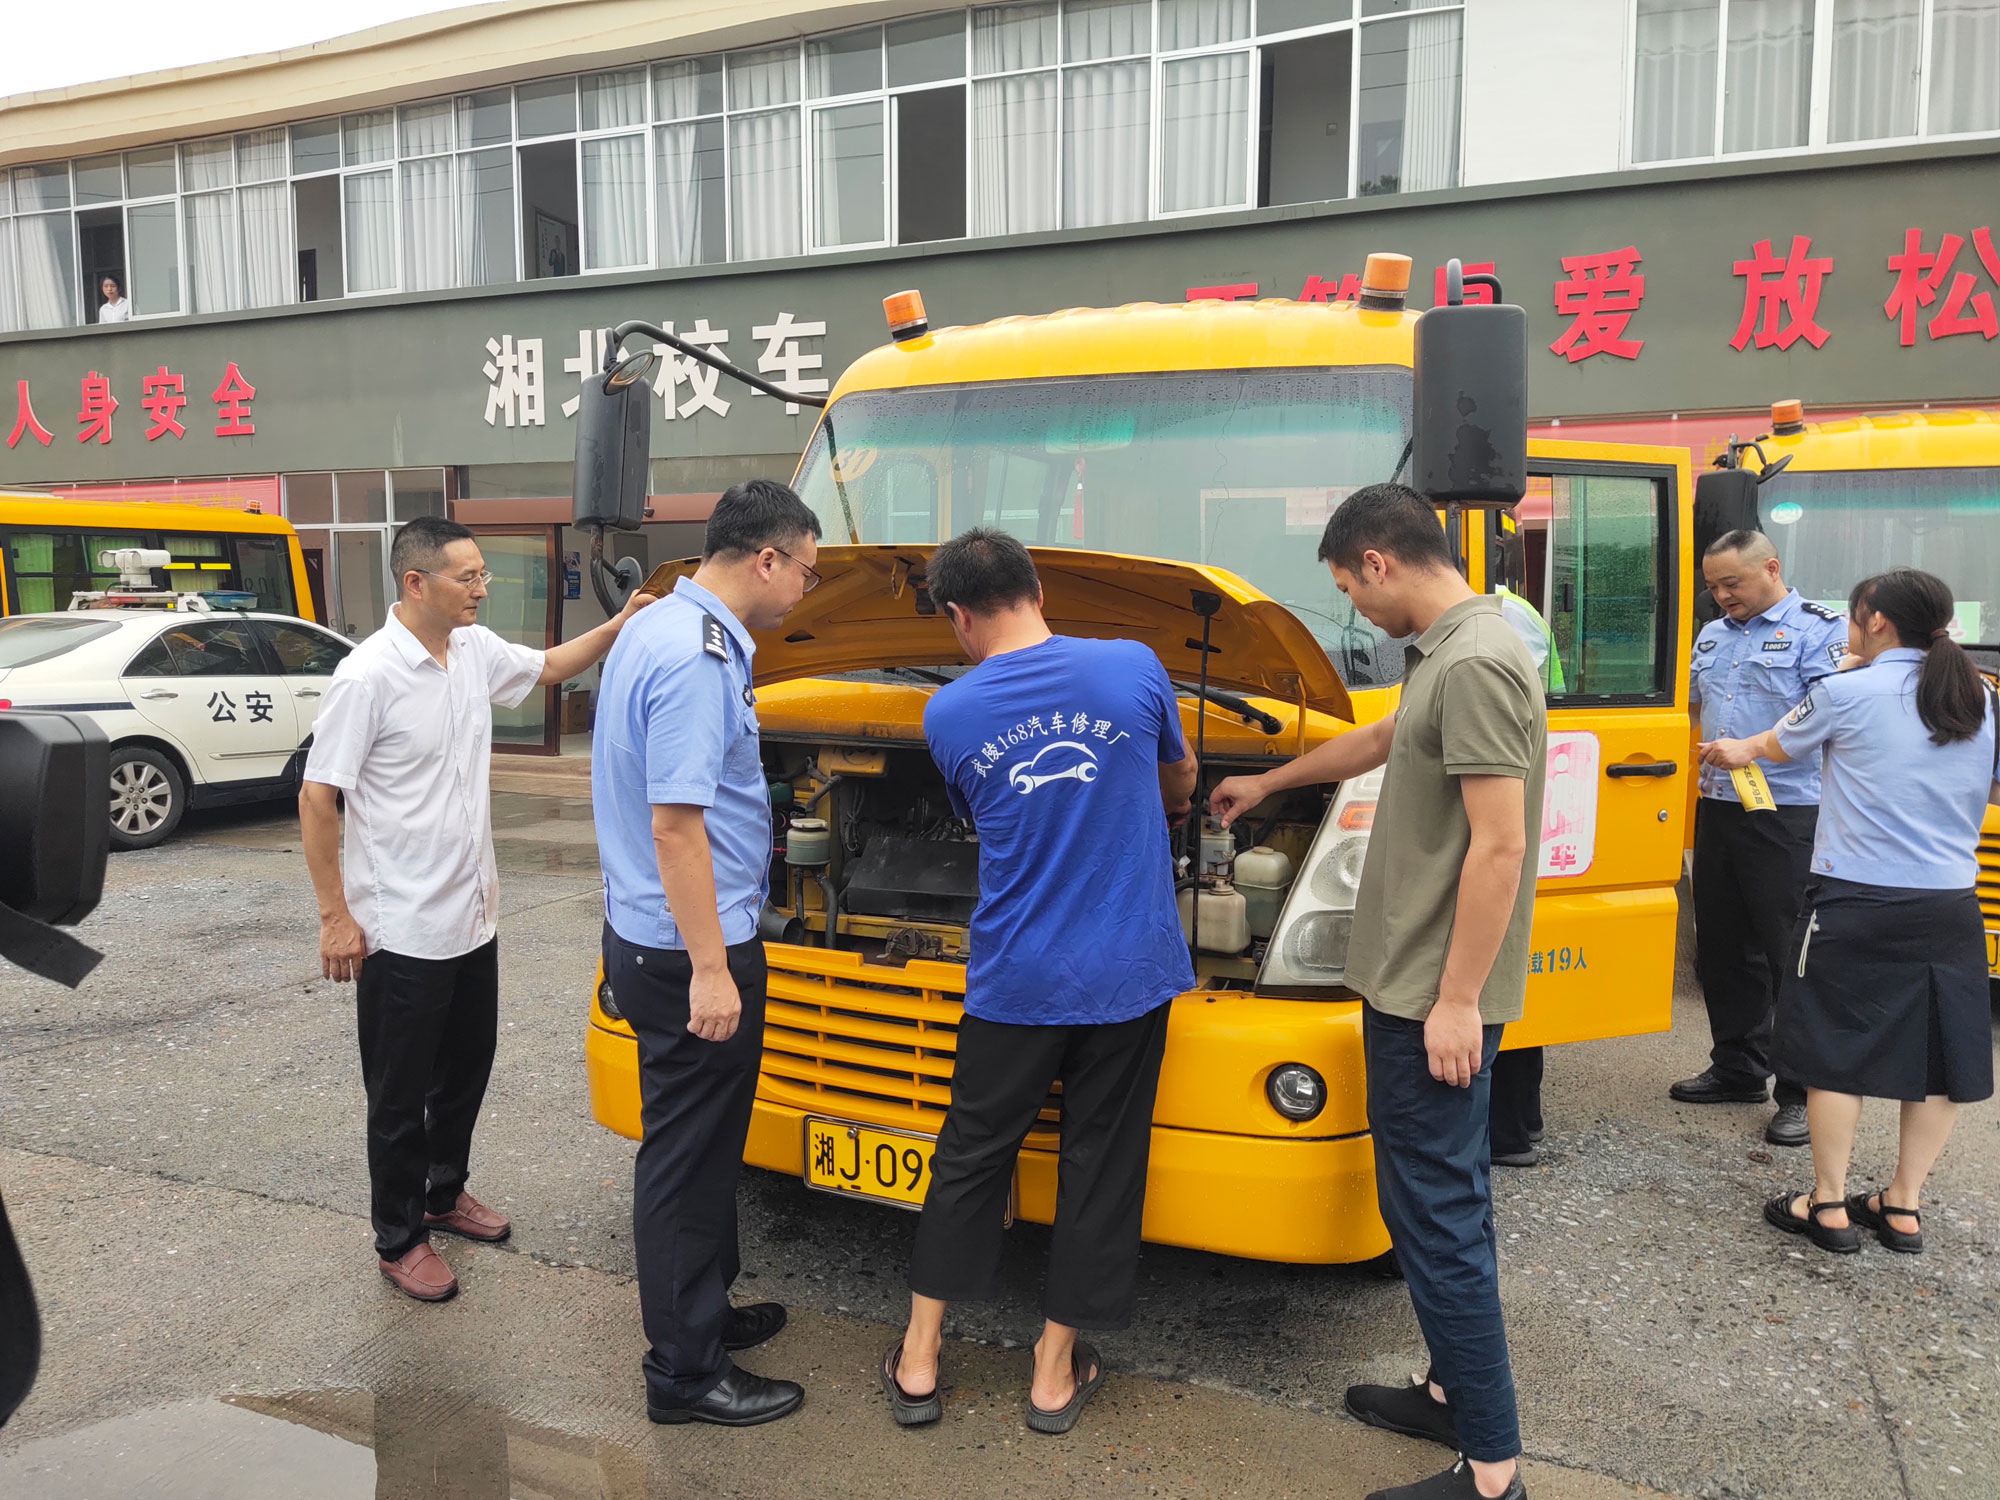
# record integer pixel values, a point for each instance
(865, 843)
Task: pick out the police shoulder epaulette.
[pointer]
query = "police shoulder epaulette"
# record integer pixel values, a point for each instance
(712, 639)
(1812, 607)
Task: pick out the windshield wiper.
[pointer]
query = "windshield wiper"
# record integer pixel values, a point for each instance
(1250, 713)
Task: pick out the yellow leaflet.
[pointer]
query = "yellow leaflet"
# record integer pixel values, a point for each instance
(1752, 788)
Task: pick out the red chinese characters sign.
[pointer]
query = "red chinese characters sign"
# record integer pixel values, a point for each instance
(1920, 275)
(162, 396)
(1784, 293)
(1599, 296)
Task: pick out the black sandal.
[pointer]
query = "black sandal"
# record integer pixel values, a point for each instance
(1845, 1240)
(1877, 1219)
(1081, 1358)
(909, 1411)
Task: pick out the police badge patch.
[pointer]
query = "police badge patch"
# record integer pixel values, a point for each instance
(1704, 645)
(711, 638)
(1800, 714)
(1836, 652)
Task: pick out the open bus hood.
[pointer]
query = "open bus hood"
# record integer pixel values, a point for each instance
(873, 611)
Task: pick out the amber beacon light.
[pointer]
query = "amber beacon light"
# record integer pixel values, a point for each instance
(1788, 417)
(905, 312)
(1385, 282)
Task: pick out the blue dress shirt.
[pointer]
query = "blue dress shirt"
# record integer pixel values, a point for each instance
(676, 724)
(1747, 677)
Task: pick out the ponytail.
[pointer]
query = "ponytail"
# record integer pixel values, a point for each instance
(1951, 701)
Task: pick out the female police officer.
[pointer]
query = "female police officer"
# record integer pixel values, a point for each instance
(1886, 995)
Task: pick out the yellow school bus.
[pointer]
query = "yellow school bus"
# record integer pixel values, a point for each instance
(1151, 455)
(50, 549)
(1918, 489)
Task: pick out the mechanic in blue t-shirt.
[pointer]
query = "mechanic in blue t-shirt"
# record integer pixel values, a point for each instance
(1068, 758)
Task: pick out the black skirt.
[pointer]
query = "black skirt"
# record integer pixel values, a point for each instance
(1885, 994)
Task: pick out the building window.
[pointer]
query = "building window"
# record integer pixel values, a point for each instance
(1782, 75)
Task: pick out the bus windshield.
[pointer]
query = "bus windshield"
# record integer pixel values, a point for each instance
(1834, 528)
(1236, 469)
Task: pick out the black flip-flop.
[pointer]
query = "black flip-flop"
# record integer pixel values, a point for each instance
(1844, 1240)
(910, 1411)
(1081, 1358)
(1877, 1219)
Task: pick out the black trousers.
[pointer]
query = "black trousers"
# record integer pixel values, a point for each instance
(1750, 872)
(428, 1027)
(1514, 1110)
(694, 1110)
(1109, 1076)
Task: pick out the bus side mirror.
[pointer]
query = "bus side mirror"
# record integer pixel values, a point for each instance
(614, 439)
(1469, 423)
(1725, 500)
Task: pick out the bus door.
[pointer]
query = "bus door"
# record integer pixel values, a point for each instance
(1593, 548)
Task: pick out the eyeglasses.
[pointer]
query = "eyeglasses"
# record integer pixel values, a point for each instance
(478, 580)
(813, 579)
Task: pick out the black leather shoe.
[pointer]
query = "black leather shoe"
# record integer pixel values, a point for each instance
(1407, 1409)
(1529, 1158)
(747, 1327)
(1788, 1127)
(739, 1399)
(1708, 1088)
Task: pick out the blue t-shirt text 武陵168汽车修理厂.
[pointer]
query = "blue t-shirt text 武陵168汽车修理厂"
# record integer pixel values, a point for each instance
(1054, 753)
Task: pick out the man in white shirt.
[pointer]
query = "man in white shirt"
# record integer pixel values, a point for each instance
(115, 308)
(410, 906)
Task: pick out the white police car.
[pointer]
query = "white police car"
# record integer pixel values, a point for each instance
(202, 706)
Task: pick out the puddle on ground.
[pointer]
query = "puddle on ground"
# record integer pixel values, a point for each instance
(320, 1445)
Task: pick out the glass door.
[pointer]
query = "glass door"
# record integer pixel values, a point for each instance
(521, 607)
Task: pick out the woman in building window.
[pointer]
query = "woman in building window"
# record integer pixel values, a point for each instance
(1885, 993)
(115, 309)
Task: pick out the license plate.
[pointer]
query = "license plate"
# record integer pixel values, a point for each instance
(892, 1165)
(1993, 954)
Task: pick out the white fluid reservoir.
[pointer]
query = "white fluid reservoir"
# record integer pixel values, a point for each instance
(1225, 918)
(1263, 875)
(1218, 848)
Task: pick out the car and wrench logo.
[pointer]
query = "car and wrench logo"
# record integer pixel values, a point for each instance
(1024, 778)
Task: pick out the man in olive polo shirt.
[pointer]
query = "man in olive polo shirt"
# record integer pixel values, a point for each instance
(1440, 954)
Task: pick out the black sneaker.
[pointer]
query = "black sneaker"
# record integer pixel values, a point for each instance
(1529, 1158)
(1407, 1409)
(1788, 1127)
(1709, 1087)
(1455, 1483)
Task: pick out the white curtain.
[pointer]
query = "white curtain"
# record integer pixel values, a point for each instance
(430, 259)
(211, 248)
(48, 271)
(206, 164)
(677, 91)
(368, 138)
(765, 77)
(1106, 28)
(764, 185)
(1430, 103)
(1202, 23)
(1673, 110)
(427, 129)
(849, 165)
(11, 320)
(1006, 38)
(614, 202)
(1105, 126)
(1014, 154)
(267, 242)
(1204, 132)
(614, 99)
(1965, 66)
(260, 156)
(1767, 79)
(486, 229)
(1876, 45)
(371, 232)
(687, 160)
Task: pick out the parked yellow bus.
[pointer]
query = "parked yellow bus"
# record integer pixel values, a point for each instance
(1150, 455)
(1918, 489)
(50, 549)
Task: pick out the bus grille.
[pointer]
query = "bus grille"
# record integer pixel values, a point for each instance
(870, 1050)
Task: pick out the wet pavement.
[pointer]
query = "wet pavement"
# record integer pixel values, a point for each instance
(180, 1146)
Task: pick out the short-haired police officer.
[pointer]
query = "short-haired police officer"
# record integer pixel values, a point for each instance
(1750, 667)
(683, 817)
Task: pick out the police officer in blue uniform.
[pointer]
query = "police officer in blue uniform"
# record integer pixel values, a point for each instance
(1750, 668)
(683, 816)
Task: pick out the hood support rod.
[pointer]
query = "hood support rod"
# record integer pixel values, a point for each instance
(1206, 604)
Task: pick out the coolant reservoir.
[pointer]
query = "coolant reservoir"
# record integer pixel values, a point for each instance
(808, 843)
(1263, 875)
(1218, 847)
(1225, 918)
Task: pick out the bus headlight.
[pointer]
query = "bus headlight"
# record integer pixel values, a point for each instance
(1296, 1091)
(604, 1001)
(1308, 950)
